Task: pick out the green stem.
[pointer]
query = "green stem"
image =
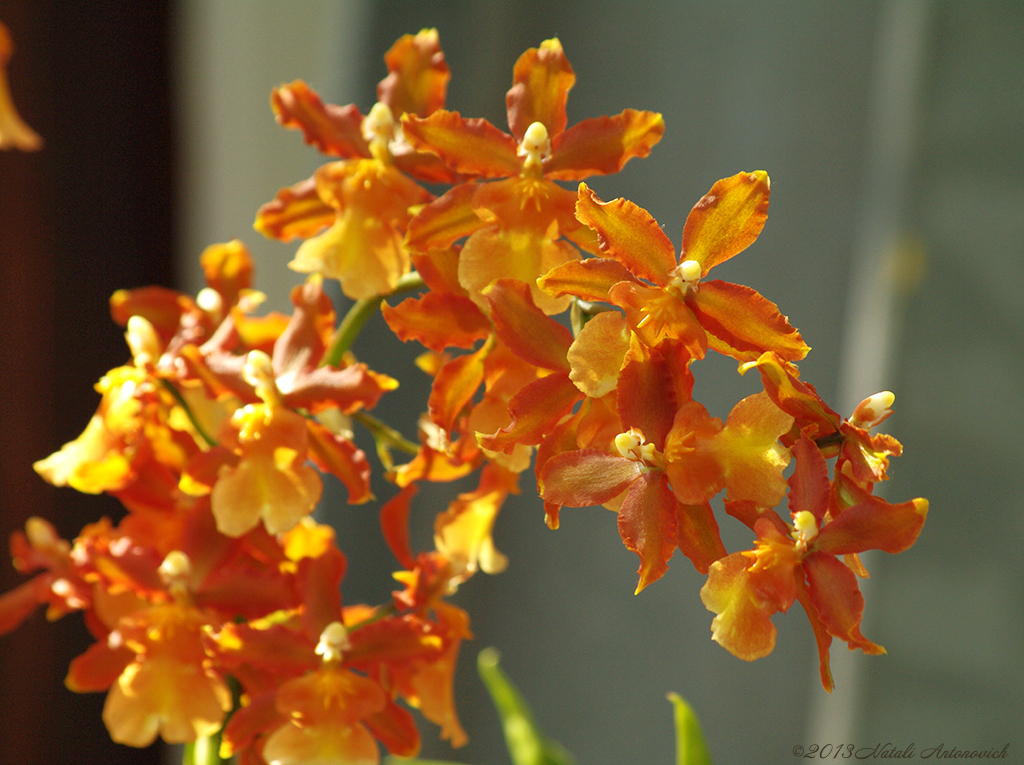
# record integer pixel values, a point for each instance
(210, 440)
(385, 435)
(205, 751)
(359, 314)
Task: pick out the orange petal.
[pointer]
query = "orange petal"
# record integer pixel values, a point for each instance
(438, 320)
(533, 412)
(744, 323)
(603, 145)
(697, 535)
(470, 146)
(454, 387)
(524, 329)
(341, 458)
(752, 460)
(296, 212)
(837, 600)
(542, 78)
(726, 220)
(443, 221)
(648, 525)
(628, 233)
(418, 75)
(394, 524)
(799, 399)
(743, 624)
(874, 525)
(333, 130)
(587, 477)
(588, 279)
(228, 269)
(13, 130)
(646, 399)
(596, 355)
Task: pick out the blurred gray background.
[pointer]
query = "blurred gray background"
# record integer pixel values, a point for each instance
(894, 136)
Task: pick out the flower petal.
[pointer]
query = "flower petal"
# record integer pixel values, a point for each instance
(524, 328)
(542, 78)
(470, 146)
(438, 320)
(648, 525)
(726, 220)
(587, 477)
(874, 525)
(295, 212)
(589, 279)
(418, 75)
(628, 233)
(603, 145)
(837, 600)
(333, 130)
(744, 323)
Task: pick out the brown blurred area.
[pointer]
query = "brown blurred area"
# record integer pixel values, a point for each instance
(90, 213)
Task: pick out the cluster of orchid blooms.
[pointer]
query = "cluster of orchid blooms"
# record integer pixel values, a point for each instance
(218, 594)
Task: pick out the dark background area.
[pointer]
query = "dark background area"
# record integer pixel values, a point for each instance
(90, 213)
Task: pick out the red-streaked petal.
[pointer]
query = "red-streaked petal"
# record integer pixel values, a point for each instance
(524, 328)
(628, 233)
(781, 381)
(454, 387)
(542, 78)
(746, 323)
(697, 535)
(533, 412)
(603, 145)
(438, 320)
(394, 524)
(646, 397)
(295, 212)
(809, 487)
(648, 525)
(693, 469)
(837, 600)
(588, 279)
(447, 218)
(726, 220)
(418, 75)
(874, 525)
(333, 130)
(340, 457)
(587, 477)
(469, 146)
(821, 637)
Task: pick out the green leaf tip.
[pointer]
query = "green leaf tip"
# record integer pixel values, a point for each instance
(691, 749)
(526, 744)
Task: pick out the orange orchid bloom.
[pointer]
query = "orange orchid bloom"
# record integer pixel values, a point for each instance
(798, 561)
(515, 226)
(364, 198)
(668, 298)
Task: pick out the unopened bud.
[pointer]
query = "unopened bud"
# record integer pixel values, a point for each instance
(872, 410)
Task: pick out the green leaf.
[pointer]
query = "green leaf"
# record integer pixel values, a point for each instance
(389, 760)
(526, 744)
(691, 748)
